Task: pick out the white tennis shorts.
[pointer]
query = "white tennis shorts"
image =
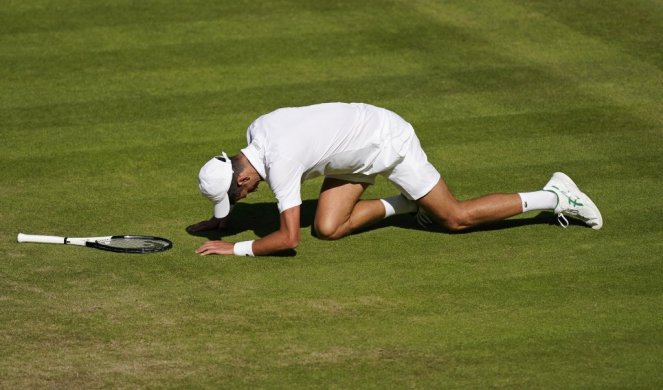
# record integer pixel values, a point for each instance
(402, 161)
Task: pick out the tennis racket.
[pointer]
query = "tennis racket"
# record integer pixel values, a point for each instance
(124, 244)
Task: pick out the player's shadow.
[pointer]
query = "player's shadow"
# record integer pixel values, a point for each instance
(408, 221)
(263, 219)
(260, 218)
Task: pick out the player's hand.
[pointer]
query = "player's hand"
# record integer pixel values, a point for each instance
(217, 247)
(209, 224)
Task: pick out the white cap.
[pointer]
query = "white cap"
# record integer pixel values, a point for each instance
(214, 181)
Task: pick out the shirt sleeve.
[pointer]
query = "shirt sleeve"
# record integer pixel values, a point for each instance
(285, 180)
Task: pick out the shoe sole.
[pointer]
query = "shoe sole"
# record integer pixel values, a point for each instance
(571, 184)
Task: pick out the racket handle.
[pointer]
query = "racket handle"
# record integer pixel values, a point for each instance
(41, 239)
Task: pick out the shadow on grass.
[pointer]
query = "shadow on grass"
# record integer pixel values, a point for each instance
(409, 222)
(260, 218)
(263, 219)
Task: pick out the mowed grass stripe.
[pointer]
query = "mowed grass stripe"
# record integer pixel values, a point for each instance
(232, 40)
(596, 120)
(148, 136)
(633, 29)
(241, 17)
(355, 71)
(554, 43)
(455, 289)
(353, 60)
(227, 51)
(452, 99)
(390, 280)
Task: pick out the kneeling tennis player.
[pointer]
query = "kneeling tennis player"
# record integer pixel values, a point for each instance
(350, 144)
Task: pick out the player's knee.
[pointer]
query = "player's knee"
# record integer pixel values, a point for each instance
(456, 221)
(326, 230)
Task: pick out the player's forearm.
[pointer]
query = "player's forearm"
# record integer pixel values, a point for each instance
(278, 241)
(287, 237)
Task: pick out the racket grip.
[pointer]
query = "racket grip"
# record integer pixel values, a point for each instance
(41, 239)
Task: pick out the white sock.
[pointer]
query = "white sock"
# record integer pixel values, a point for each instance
(538, 200)
(398, 204)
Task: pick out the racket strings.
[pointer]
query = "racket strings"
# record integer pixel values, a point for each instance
(134, 243)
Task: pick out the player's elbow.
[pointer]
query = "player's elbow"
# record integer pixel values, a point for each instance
(291, 241)
(292, 244)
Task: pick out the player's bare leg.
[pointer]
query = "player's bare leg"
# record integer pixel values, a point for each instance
(340, 210)
(457, 215)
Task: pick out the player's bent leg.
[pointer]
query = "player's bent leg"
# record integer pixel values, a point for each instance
(340, 212)
(456, 215)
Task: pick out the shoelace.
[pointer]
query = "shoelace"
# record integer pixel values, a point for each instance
(573, 213)
(563, 222)
(571, 199)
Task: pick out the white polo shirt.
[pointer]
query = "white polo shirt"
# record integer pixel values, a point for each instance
(353, 141)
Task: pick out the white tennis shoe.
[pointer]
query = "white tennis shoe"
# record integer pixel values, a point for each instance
(573, 203)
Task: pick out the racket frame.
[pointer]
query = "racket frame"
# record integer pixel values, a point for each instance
(93, 242)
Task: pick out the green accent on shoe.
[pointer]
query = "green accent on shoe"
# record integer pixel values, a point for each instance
(555, 195)
(574, 202)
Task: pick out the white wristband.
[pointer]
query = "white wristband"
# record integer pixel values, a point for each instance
(243, 248)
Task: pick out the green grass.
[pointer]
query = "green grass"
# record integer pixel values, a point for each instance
(109, 108)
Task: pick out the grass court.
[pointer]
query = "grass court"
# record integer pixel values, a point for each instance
(109, 108)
